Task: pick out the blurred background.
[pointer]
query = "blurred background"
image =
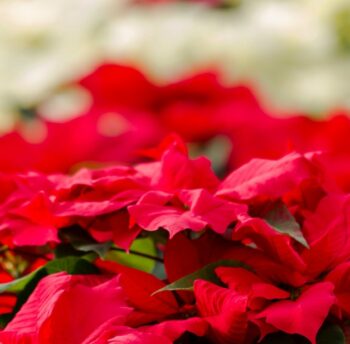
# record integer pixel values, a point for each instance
(293, 54)
(295, 51)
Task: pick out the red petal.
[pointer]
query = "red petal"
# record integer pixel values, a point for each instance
(139, 287)
(271, 178)
(224, 310)
(328, 230)
(303, 316)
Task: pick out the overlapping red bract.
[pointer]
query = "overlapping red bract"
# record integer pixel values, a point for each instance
(129, 113)
(285, 285)
(137, 196)
(284, 215)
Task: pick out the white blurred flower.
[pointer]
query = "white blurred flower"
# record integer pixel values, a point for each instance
(46, 43)
(287, 48)
(291, 49)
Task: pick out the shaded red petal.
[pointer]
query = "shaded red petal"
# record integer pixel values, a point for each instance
(224, 310)
(303, 316)
(328, 230)
(246, 283)
(340, 277)
(274, 244)
(139, 287)
(173, 329)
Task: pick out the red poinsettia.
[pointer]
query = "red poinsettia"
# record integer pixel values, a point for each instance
(129, 112)
(263, 251)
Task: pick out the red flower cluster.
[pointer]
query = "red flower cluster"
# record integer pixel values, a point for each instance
(129, 113)
(259, 255)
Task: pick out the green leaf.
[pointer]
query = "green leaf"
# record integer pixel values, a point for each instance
(206, 273)
(5, 319)
(71, 265)
(82, 241)
(100, 248)
(283, 222)
(143, 246)
(19, 284)
(331, 334)
(25, 285)
(217, 150)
